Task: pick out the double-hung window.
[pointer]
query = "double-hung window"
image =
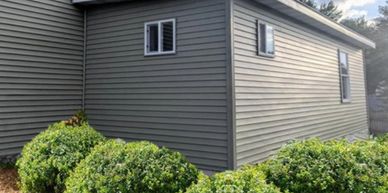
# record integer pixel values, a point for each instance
(160, 37)
(344, 77)
(266, 39)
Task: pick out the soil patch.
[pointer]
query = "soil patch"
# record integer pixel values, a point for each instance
(8, 181)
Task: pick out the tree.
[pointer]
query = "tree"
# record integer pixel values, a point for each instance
(311, 3)
(360, 25)
(328, 8)
(376, 59)
(331, 10)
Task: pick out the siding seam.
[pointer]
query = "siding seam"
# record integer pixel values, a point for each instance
(84, 59)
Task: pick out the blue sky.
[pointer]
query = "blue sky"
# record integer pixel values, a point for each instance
(356, 8)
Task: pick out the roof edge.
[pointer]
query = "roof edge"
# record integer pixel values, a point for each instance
(93, 2)
(296, 9)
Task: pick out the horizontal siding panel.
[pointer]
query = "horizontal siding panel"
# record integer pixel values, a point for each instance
(50, 12)
(175, 143)
(178, 101)
(40, 68)
(138, 10)
(294, 95)
(162, 114)
(269, 148)
(49, 6)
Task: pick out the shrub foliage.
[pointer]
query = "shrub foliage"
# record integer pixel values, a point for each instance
(133, 167)
(247, 180)
(48, 159)
(373, 155)
(383, 139)
(335, 166)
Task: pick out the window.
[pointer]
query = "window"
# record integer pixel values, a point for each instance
(266, 40)
(344, 77)
(159, 37)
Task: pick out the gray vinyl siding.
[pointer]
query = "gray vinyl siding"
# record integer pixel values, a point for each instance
(41, 45)
(294, 95)
(178, 101)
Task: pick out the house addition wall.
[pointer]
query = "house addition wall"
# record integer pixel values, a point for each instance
(41, 48)
(296, 94)
(179, 100)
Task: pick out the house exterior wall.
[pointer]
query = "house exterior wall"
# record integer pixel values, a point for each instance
(41, 47)
(178, 101)
(296, 94)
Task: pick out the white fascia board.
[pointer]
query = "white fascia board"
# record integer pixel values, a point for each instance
(303, 13)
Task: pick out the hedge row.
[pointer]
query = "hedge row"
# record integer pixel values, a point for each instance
(72, 157)
(334, 166)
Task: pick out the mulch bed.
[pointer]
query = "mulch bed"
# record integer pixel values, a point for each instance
(8, 181)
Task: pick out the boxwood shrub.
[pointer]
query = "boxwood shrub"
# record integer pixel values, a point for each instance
(246, 180)
(335, 166)
(374, 156)
(47, 160)
(383, 138)
(116, 166)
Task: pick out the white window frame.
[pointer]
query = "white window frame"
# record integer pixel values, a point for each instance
(160, 38)
(348, 86)
(259, 52)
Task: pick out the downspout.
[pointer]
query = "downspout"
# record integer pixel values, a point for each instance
(84, 61)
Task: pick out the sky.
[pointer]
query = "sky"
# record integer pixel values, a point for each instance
(357, 8)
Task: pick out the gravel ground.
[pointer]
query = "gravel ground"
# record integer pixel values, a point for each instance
(8, 181)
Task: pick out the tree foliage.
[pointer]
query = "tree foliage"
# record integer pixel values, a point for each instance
(376, 59)
(311, 3)
(327, 8)
(331, 10)
(360, 25)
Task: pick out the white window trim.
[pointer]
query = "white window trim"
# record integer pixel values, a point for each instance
(160, 38)
(349, 99)
(259, 52)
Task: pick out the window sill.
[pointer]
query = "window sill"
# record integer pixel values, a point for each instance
(160, 53)
(346, 101)
(266, 55)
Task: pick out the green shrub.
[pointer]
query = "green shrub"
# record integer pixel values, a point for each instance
(382, 138)
(336, 166)
(247, 180)
(130, 168)
(374, 156)
(48, 159)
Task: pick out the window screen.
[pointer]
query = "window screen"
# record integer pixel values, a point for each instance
(266, 40)
(270, 46)
(168, 36)
(344, 74)
(160, 37)
(153, 31)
